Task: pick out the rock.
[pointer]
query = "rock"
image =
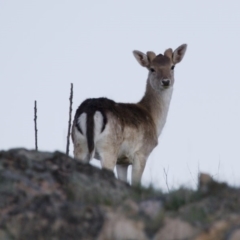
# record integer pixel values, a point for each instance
(174, 229)
(235, 235)
(51, 196)
(204, 182)
(215, 232)
(151, 208)
(118, 227)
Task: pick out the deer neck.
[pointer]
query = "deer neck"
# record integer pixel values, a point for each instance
(157, 103)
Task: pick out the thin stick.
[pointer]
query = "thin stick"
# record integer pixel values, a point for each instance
(35, 124)
(70, 119)
(166, 178)
(192, 175)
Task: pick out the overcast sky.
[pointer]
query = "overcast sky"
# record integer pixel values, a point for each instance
(46, 45)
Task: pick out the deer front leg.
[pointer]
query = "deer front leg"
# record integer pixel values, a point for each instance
(138, 166)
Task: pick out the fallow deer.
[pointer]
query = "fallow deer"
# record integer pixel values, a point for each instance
(123, 134)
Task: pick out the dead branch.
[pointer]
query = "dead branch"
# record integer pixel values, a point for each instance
(70, 119)
(35, 125)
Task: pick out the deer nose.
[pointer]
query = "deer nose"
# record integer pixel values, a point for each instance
(165, 82)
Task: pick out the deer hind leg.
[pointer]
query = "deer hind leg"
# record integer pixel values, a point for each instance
(81, 152)
(138, 166)
(122, 172)
(107, 153)
(108, 160)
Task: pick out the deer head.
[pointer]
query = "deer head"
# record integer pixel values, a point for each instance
(161, 67)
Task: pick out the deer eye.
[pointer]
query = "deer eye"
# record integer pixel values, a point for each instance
(172, 67)
(152, 70)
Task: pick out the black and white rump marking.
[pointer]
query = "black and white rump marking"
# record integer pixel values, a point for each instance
(123, 134)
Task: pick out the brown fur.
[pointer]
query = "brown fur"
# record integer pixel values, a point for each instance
(161, 60)
(127, 115)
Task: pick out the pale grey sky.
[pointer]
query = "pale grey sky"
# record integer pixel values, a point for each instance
(46, 45)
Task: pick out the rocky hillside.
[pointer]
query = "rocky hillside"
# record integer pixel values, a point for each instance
(51, 196)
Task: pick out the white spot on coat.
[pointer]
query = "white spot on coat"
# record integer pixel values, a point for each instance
(82, 121)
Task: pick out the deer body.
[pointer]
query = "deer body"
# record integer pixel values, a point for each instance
(125, 134)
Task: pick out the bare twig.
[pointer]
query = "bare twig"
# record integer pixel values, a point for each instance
(219, 162)
(217, 174)
(192, 176)
(198, 173)
(35, 124)
(166, 178)
(70, 119)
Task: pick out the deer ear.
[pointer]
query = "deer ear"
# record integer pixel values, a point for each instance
(179, 53)
(141, 58)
